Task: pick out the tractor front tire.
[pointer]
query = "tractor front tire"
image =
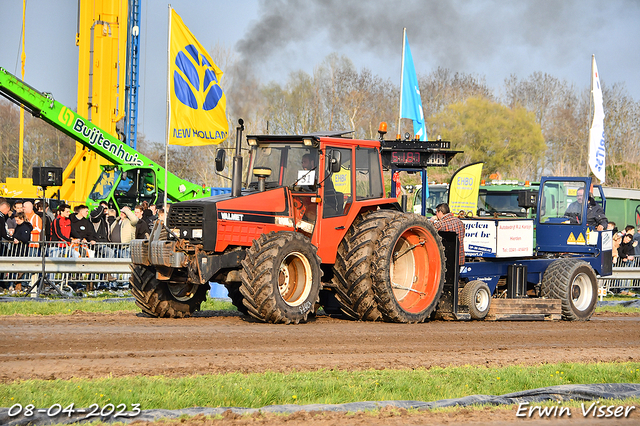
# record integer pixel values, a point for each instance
(476, 295)
(574, 282)
(408, 269)
(281, 278)
(165, 299)
(352, 270)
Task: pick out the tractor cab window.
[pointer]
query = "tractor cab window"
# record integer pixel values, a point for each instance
(291, 165)
(368, 179)
(337, 185)
(104, 185)
(147, 186)
(562, 202)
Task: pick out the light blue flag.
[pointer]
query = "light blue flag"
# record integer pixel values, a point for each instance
(411, 103)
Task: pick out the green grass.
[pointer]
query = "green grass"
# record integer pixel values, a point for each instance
(55, 307)
(95, 304)
(326, 386)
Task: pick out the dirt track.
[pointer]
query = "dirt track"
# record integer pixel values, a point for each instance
(96, 345)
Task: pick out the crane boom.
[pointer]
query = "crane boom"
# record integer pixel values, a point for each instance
(125, 158)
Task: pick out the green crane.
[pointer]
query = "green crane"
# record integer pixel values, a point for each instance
(132, 179)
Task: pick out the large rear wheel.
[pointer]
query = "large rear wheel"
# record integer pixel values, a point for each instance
(281, 278)
(574, 282)
(408, 269)
(165, 299)
(352, 270)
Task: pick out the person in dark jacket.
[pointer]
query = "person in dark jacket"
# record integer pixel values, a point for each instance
(22, 235)
(100, 224)
(81, 227)
(595, 215)
(142, 228)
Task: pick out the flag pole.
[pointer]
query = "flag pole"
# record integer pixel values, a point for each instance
(590, 113)
(168, 119)
(404, 38)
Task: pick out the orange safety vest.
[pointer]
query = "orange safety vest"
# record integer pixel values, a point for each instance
(36, 222)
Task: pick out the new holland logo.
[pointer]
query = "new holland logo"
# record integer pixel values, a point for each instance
(189, 89)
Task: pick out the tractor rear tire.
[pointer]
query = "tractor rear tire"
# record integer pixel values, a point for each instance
(352, 270)
(476, 295)
(165, 299)
(408, 269)
(281, 278)
(574, 282)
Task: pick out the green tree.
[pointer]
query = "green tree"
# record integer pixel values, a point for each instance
(508, 141)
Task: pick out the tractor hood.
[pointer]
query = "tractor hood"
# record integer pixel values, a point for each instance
(205, 220)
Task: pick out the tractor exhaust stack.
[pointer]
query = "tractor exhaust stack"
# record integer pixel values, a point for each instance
(236, 176)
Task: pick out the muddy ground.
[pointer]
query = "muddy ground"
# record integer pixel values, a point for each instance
(97, 345)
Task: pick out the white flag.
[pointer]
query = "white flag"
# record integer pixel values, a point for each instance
(597, 153)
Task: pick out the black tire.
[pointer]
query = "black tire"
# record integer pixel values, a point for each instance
(574, 282)
(281, 278)
(164, 299)
(477, 297)
(408, 269)
(236, 297)
(352, 270)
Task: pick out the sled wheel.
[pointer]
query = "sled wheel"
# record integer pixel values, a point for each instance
(477, 296)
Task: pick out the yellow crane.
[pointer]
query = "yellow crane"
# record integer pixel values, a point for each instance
(102, 44)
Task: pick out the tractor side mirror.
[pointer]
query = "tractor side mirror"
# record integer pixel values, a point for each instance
(221, 157)
(527, 199)
(336, 161)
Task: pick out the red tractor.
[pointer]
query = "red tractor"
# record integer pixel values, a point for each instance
(312, 217)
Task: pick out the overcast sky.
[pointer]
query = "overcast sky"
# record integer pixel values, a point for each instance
(491, 38)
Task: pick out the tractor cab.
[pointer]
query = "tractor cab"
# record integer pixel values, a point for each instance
(563, 220)
(124, 186)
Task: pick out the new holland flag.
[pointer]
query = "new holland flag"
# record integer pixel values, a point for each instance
(197, 103)
(411, 106)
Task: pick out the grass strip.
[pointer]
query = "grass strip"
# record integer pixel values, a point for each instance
(56, 307)
(65, 307)
(325, 386)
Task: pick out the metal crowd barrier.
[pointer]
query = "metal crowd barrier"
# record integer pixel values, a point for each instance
(92, 266)
(626, 275)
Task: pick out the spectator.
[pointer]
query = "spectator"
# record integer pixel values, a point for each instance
(4, 212)
(81, 227)
(149, 214)
(595, 215)
(61, 231)
(161, 215)
(4, 233)
(446, 221)
(22, 235)
(11, 221)
(142, 229)
(36, 222)
(112, 216)
(636, 242)
(617, 239)
(626, 249)
(100, 224)
(123, 230)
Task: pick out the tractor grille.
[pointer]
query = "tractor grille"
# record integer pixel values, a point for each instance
(185, 216)
(194, 221)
